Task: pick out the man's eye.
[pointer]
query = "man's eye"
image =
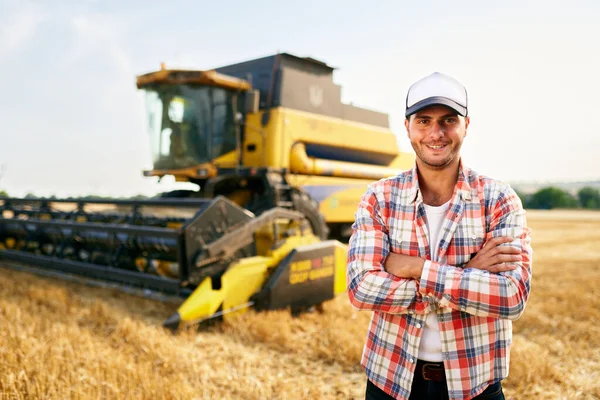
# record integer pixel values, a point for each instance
(451, 120)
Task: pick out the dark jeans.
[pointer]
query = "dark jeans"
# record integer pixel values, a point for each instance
(431, 390)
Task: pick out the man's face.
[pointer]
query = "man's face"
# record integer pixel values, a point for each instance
(436, 134)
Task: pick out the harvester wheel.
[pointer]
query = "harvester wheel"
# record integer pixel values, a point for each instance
(310, 208)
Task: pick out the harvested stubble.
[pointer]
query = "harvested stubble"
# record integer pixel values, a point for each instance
(62, 340)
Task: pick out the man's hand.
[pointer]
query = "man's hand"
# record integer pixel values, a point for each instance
(492, 256)
(404, 266)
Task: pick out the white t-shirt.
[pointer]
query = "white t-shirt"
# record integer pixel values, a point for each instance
(430, 348)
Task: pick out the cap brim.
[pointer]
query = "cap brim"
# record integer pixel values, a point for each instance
(431, 101)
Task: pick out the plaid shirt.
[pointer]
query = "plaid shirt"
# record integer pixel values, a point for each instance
(475, 308)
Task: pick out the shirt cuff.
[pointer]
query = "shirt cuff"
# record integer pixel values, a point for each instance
(434, 279)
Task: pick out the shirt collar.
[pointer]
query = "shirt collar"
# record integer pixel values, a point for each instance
(462, 184)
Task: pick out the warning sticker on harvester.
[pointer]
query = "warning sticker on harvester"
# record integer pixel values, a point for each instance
(310, 270)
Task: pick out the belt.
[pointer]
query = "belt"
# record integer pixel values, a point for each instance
(431, 371)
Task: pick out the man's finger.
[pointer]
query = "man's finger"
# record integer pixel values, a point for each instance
(502, 258)
(504, 250)
(502, 268)
(494, 242)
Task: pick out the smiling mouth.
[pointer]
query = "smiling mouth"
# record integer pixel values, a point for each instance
(436, 147)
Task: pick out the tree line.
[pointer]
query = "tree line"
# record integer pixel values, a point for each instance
(553, 197)
(545, 199)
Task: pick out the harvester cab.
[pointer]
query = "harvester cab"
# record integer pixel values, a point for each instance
(193, 120)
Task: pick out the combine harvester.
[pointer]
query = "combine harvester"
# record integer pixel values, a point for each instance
(280, 164)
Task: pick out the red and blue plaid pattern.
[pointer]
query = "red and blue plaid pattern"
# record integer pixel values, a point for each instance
(475, 308)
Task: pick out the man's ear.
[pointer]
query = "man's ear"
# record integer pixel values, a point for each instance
(406, 126)
(467, 122)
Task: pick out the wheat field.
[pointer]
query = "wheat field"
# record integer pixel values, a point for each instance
(62, 340)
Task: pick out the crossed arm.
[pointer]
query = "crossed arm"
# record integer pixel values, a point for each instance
(495, 283)
(491, 258)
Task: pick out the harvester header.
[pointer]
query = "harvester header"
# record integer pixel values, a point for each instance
(220, 260)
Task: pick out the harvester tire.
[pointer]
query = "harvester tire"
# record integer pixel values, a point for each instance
(310, 208)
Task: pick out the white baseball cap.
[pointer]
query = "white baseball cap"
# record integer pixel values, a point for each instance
(436, 88)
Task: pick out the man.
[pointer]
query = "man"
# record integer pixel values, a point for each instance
(442, 257)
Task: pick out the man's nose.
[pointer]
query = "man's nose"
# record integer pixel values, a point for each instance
(437, 130)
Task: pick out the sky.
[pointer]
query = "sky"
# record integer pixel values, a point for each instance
(72, 119)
